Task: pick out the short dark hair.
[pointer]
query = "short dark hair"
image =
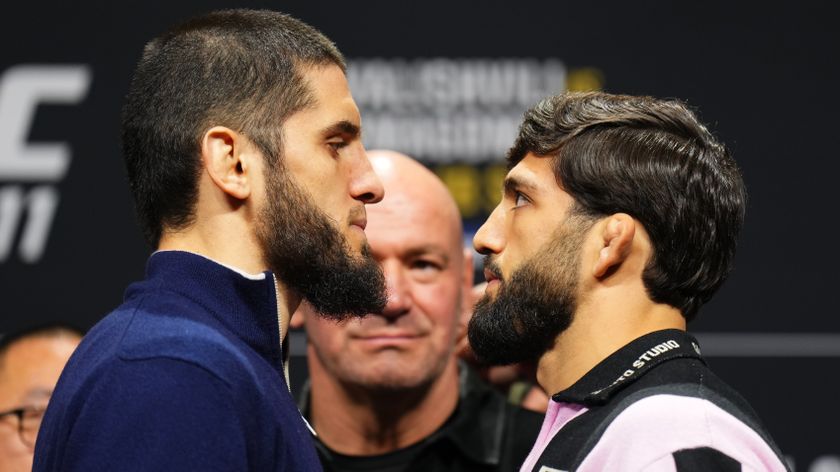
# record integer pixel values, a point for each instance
(236, 68)
(653, 160)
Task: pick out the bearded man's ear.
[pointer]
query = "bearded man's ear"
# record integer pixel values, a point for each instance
(227, 157)
(617, 240)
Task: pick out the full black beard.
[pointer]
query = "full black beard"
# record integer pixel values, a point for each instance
(534, 306)
(312, 257)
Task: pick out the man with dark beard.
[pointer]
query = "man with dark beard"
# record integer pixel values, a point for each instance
(242, 145)
(387, 392)
(618, 221)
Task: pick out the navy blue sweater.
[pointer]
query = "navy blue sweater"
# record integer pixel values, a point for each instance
(185, 375)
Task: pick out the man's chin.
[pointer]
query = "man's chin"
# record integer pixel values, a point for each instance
(489, 296)
(498, 336)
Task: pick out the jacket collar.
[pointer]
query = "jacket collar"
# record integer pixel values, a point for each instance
(477, 426)
(246, 305)
(629, 364)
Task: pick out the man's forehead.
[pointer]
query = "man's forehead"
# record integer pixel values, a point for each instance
(531, 173)
(417, 209)
(331, 94)
(23, 376)
(408, 229)
(37, 393)
(413, 213)
(405, 235)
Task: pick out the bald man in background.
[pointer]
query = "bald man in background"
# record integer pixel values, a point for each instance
(30, 364)
(387, 392)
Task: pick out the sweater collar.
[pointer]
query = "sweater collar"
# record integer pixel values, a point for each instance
(628, 365)
(244, 304)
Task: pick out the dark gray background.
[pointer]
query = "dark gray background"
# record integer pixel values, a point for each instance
(763, 75)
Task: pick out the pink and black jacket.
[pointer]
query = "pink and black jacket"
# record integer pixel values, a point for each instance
(653, 405)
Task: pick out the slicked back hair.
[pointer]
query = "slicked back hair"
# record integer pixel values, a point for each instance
(653, 160)
(242, 69)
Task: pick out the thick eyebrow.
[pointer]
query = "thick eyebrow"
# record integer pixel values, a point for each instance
(343, 127)
(514, 184)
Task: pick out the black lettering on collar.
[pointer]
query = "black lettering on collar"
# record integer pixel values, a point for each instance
(628, 364)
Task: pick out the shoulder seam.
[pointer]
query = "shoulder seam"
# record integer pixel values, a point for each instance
(180, 360)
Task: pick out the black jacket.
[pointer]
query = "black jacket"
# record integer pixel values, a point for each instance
(485, 433)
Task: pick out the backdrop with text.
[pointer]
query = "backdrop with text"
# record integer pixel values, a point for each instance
(447, 82)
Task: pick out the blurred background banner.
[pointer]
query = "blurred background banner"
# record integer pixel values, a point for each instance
(447, 82)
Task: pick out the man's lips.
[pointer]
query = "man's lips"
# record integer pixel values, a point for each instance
(387, 335)
(361, 223)
(490, 276)
(387, 338)
(358, 217)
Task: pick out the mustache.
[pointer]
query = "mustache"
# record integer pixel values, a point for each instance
(357, 213)
(492, 266)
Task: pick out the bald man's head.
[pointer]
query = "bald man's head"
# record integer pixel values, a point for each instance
(415, 234)
(409, 184)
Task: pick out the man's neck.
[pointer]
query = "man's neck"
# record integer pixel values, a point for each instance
(353, 420)
(597, 331)
(232, 250)
(237, 253)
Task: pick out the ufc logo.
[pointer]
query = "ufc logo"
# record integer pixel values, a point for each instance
(32, 209)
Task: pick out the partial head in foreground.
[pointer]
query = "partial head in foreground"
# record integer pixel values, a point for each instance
(243, 119)
(30, 364)
(609, 199)
(415, 234)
